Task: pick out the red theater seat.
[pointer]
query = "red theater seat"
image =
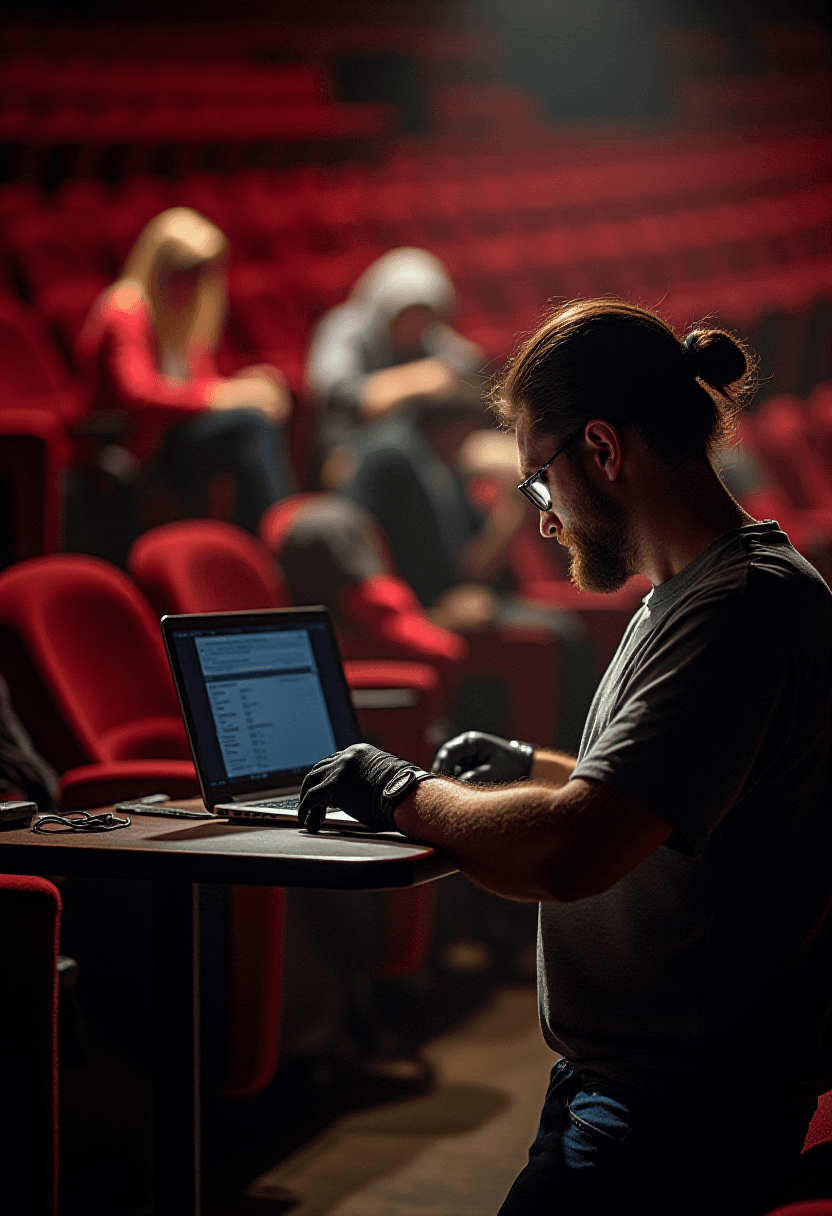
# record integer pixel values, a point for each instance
(265, 312)
(66, 305)
(84, 657)
(30, 913)
(321, 282)
(37, 404)
(48, 246)
(33, 455)
(31, 372)
(17, 198)
(205, 566)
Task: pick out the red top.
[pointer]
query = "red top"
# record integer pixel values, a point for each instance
(118, 351)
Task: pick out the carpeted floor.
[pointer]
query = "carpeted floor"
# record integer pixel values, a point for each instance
(451, 1152)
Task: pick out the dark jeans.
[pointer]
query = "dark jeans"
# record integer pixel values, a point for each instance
(242, 443)
(608, 1150)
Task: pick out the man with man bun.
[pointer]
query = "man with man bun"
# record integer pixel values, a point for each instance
(682, 860)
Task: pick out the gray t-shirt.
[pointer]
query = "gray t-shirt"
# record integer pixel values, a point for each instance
(350, 343)
(715, 950)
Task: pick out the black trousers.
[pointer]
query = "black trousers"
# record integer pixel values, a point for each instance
(243, 443)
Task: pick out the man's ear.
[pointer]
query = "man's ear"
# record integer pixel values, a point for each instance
(606, 447)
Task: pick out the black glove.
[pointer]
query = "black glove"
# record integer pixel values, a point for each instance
(475, 756)
(361, 780)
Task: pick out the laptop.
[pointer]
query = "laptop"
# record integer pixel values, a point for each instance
(264, 697)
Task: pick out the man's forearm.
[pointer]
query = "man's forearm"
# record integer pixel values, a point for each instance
(504, 839)
(532, 841)
(386, 390)
(552, 768)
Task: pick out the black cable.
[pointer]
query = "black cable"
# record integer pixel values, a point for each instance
(79, 821)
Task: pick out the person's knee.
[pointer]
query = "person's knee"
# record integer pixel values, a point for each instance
(249, 423)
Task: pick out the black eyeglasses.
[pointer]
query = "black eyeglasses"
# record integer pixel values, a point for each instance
(535, 488)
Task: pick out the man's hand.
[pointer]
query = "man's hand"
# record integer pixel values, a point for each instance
(475, 756)
(354, 781)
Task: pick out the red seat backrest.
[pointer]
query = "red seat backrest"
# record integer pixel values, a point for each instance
(29, 364)
(83, 654)
(52, 245)
(33, 452)
(205, 565)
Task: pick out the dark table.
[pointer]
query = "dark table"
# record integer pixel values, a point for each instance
(177, 855)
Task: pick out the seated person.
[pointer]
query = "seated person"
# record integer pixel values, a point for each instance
(408, 478)
(388, 344)
(410, 475)
(148, 349)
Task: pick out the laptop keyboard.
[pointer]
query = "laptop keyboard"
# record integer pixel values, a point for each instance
(280, 804)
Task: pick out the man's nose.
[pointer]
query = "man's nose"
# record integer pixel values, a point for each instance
(548, 524)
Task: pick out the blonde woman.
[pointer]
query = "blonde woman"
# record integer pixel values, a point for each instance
(148, 348)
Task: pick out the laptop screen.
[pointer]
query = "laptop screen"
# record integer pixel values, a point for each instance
(263, 694)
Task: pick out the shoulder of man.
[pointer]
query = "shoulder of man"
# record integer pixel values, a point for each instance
(762, 575)
(783, 586)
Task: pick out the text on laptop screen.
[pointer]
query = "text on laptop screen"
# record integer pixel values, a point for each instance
(266, 698)
(266, 702)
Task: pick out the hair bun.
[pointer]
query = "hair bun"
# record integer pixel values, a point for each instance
(719, 360)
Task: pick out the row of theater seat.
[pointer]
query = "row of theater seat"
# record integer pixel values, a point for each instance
(450, 197)
(42, 84)
(43, 247)
(145, 121)
(802, 98)
(213, 121)
(306, 251)
(251, 40)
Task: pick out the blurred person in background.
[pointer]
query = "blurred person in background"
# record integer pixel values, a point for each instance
(389, 344)
(148, 349)
(412, 476)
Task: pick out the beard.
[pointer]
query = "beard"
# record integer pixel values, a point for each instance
(602, 552)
